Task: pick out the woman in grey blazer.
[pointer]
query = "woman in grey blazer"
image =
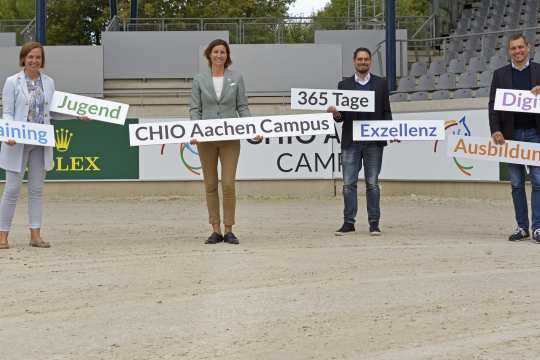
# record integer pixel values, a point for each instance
(219, 93)
(26, 96)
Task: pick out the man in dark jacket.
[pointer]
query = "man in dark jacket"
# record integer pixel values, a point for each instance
(521, 74)
(354, 153)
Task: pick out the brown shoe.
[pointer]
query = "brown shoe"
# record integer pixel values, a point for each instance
(4, 245)
(40, 243)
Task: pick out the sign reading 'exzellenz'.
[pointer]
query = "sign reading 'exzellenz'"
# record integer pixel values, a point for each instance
(343, 100)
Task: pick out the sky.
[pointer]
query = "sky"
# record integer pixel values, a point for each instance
(306, 7)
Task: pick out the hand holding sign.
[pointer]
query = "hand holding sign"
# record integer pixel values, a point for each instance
(342, 100)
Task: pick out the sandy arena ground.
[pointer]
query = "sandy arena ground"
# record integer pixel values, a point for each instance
(132, 279)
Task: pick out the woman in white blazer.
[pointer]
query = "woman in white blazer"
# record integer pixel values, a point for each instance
(26, 97)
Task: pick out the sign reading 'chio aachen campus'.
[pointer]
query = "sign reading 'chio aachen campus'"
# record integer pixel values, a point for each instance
(230, 129)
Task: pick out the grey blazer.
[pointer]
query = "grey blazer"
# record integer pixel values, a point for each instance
(15, 108)
(205, 104)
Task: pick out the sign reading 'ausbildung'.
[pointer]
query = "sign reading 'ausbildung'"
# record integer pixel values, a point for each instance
(515, 152)
(343, 100)
(178, 132)
(96, 109)
(517, 100)
(27, 133)
(398, 130)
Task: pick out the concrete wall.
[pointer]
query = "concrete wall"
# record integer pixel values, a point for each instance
(75, 69)
(151, 54)
(273, 69)
(353, 39)
(7, 39)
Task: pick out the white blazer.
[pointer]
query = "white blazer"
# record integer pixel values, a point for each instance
(15, 104)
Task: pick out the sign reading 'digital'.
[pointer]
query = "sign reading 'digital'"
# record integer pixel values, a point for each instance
(483, 148)
(343, 100)
(96, 109)
(27, 133)
(398, 130)
(230, 129)
(517, 100)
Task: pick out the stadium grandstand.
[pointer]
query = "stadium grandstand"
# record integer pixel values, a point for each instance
(461, 65)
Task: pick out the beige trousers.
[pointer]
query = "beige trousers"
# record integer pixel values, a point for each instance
(227, 152)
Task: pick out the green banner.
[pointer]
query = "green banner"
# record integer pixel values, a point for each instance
(93, 150)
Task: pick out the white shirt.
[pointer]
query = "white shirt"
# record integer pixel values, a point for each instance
(362, 81)
(218, 85)
(524, 67)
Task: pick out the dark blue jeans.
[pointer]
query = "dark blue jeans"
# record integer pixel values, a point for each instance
(517, 180)
(352, 158)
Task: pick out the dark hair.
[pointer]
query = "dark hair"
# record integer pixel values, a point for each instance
(517, 37)
(25, 50)
(212, 45)
(361, 49)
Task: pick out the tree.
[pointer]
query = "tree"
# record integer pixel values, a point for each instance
(81, 22)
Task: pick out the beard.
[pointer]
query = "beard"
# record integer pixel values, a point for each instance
(362, 70)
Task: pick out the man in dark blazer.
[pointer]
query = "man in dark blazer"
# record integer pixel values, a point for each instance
(521, 74)
(354, 154)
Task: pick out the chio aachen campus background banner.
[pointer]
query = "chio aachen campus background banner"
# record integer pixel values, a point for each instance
(100, 151)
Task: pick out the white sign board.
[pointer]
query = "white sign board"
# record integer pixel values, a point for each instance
(343, 100)
(319, 157)
(179, 132)
(96, 109)
(27, 133)
(398, 130)
(483, 148)
(517, 100)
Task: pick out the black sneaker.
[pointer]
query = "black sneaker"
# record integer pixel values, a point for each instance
(519, 234)
(231, 238)
(374, 229)
(214, 238)
(346, 228)
(536, 236)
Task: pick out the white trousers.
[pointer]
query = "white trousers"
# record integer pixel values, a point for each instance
(33, 158)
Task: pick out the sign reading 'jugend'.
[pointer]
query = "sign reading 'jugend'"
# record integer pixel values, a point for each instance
(230, 129)
(515, 152)
(517, 100)
(96, 109)
(343, 100)
(27, 133)
(398, 130)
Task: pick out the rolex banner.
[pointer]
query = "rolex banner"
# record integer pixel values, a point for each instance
(92, 150)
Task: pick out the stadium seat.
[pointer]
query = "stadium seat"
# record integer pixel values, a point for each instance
(446, 81)
(417, 96)
(482, 92)
(467, 80)
(497, 62)
(485, 78)
(418, 69)
(397, 97)
(463, 94)
(406, 83)
(440, 95)
(456, 66)
(426, 83)
(477, 64)
(437, 67)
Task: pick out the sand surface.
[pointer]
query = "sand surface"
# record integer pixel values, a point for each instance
(132, 279)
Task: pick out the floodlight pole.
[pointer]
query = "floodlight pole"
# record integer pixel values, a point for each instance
(391, 44)
(40, 21)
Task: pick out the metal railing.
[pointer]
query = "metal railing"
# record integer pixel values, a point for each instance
(23, 28)
(268, 30)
